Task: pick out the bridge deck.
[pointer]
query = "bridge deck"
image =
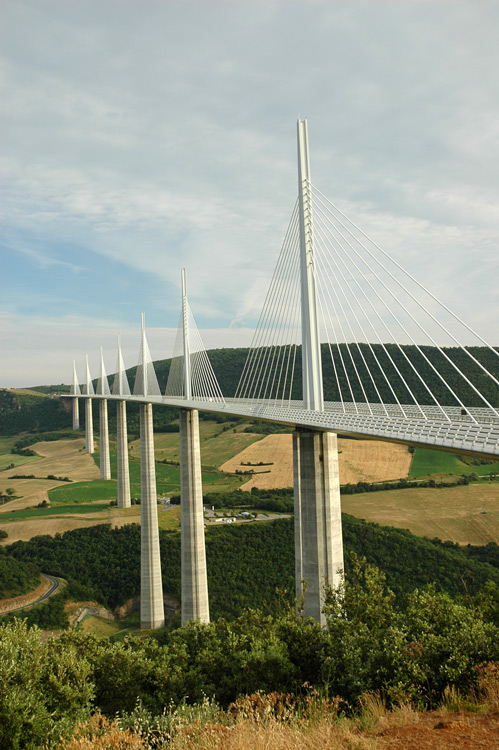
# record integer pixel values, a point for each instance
(474, 432)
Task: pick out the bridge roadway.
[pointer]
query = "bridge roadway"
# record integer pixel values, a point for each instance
(425, 426)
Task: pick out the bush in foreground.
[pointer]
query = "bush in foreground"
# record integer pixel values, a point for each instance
(420, 653)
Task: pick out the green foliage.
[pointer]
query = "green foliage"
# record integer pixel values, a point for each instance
(106, 562)
(17, 577)
(21, 412)
(46, 688)
(277, 501)
(415, 651)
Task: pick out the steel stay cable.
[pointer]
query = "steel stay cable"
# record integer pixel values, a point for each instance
(268, 331)
(370, 323)
(330, 349)
(426, 333)
(278, 334)
(324, 245)
(246, 381)
(463, 348)
(456, 317)
(345, 371)
(406, 385)
(253, 346)
(354, 364)
(402, 327)
(284, 317)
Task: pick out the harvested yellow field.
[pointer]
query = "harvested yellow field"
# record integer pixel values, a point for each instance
(466, 514)
(30, 527)
(62, 458)
(372, 461)
(360, 461)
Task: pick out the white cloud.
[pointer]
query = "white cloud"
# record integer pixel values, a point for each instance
(162, 135)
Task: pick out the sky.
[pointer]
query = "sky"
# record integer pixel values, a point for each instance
(138, 138)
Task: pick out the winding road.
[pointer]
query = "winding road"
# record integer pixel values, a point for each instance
(54, 585)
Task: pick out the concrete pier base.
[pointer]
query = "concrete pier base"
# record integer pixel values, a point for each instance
(122, 469)
(89, 426)
(105, 464)
(318, 535)
(152, 614)
(76, 414)
(195, 605)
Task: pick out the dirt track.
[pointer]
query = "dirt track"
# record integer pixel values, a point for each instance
(360, 460)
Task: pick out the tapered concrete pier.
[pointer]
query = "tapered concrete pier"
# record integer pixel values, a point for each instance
(105, 464)
(76, 414)
(297, 519)
(152, 613)
(318, 533)
(89, 427)
(195, 605)
(122, 469)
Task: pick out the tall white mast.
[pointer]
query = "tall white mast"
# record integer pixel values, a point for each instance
(187, 354)
(313, 397)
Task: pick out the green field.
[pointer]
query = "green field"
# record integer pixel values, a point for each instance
(83, 492)
(7, 458)
(426, 462)
(58, 510)
(219, 443)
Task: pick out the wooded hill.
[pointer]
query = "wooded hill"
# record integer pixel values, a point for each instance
(22, 412)
(249, 563)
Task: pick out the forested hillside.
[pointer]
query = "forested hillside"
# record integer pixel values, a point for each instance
(17, 576)
(228, 365)
(23, 412)
(248, 563)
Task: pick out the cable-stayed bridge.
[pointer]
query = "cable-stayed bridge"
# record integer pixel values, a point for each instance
(334, 290)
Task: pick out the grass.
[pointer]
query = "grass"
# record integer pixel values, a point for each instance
(169, 520)
(427, 462)
(83, 492)
(168, 476)
(7, 458)
(218, 444)
(99, 626)
(467, 514)
(64, 510)
(115, 630)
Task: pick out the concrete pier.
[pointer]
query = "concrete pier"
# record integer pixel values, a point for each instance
(318, 535)
(105, 465)
(195, 604)
(76, 414)
(152, 613)
(297, 519)
(122, 469)
(89, 426)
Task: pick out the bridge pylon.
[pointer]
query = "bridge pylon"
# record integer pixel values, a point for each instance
(89, 423)
(195, 603)
(121, 388)
(318, 534)
(152, 613)
(103, 389)
(75, 390)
